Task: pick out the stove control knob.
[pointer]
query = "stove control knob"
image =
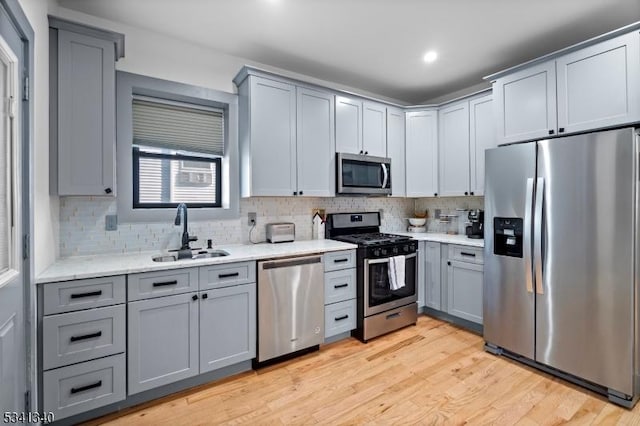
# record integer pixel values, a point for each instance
(406, 249)
(395, 250)
(376, 252)
(384, 252)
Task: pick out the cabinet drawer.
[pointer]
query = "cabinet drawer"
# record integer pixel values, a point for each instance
(227, 275)
(162, 283)
(339, 317)
(339, 260)
(339, 286)
(83, 387)
(74, 295)
(466, 254)
(82, 336)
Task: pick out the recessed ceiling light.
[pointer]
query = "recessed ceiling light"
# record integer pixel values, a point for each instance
(430, 56)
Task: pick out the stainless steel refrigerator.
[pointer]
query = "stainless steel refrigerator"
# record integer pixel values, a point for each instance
(561, 262)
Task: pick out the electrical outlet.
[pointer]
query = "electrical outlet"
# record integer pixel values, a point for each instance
(252, 216)
(111, 222)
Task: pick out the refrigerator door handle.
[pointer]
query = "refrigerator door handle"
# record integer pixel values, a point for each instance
(528, 275)
(537, 234)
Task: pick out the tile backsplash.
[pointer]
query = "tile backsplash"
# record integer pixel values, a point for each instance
(447, 206)
(82, 221)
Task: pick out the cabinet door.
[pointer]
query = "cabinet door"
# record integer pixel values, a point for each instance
(316, 144)
(599, 86)
(453, 146)
(348, 125)
(227, 326)
(421, 274)
(432, 275)
(273, 137)
(482, 136)
(525, 104)
(422, 154)
(465, 290)
(374, 129)
(396, 151)
(162, 341)
(86, 115)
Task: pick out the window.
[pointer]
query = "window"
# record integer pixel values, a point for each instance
(175, 143)
(177, 152)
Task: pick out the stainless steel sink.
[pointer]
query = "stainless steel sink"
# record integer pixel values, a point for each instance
(196, 254)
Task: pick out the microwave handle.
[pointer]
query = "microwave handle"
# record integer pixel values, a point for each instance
(385, 175)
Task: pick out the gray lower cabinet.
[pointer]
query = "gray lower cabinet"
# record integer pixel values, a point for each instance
(227, 326)
(163, 341)
(82, 336)
(464, 284)
(339, 293)
(432, 274)
(82, 387)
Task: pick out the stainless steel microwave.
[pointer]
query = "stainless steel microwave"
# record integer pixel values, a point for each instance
(363, 174)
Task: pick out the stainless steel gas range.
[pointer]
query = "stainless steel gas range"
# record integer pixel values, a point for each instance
(379, 308)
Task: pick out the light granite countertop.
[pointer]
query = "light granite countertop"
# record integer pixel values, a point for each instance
(444, 238)
(78, 267)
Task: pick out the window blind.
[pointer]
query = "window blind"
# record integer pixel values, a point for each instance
(177, 127)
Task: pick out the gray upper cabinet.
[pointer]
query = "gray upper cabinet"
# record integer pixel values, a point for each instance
(374, 129)
(272, 138)
(227, 326)
(525, 103)
(287, 138)
(396, 150)
(421, 153)
(453, 146)
(348, 125)
(482, 136)
(599, 86)
(315, 143)
(163, 345)
(83, 111)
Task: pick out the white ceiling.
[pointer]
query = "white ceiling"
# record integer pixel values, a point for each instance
(377, 45)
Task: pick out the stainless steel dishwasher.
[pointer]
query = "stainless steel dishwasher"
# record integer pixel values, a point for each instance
(290, 305)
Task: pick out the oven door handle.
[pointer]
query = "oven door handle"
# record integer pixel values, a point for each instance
(386, 259)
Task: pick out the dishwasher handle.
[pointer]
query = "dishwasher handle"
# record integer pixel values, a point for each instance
(289, 262)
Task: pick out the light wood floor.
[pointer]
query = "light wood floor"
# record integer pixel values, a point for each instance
(433, 373)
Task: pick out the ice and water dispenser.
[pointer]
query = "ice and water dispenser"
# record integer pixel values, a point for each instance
(507, 236)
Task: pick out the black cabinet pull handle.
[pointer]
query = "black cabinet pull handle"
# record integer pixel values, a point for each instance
(108, 190)
(551, 132)
(344, 317)
(295, 192)
(88, 294)
(205, 296)
(300, 192)
(466, 193)
(340, 260)
(397, 314)
(366, 153)
(85, 336)
(341, 285)
(194, 297)
(471, 193)
(87, 387)
(561, 130)
(464, 253)
(435, 194)
(361, 152)
(165, 283)
(235, 274)
(449, 263)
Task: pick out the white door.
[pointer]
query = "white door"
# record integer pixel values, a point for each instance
(482, 136)
(374, 129)
(348, 125)
(396, 150)
(12, 331)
